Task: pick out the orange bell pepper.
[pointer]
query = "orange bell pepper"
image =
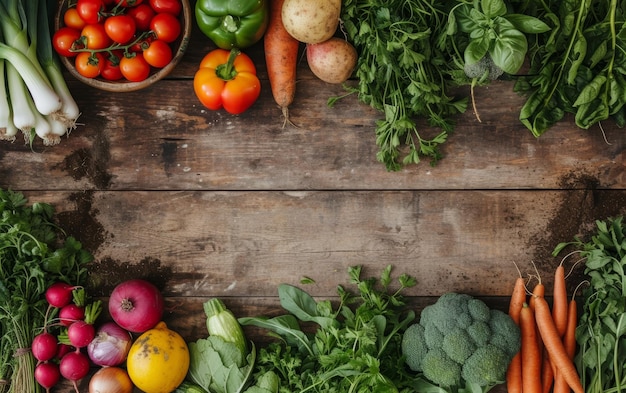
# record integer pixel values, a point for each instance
(227, 79)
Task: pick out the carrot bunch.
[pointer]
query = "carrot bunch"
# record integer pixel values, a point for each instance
(545, 362)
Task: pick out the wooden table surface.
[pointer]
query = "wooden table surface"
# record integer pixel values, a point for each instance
(207, 204)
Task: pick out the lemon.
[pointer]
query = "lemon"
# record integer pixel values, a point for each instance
(158, 360)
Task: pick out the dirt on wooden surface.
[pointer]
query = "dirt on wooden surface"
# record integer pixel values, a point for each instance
(575, 218)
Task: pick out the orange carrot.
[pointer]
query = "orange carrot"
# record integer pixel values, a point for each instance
(547, 373)
(569, 341)
(281, 56)
(538, 291)
(570, 333)
(518, 298)
(559, 301)
(558, 355)
(514, 371)
(531, 355)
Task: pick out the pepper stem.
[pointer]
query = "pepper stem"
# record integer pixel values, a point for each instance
(227, 70)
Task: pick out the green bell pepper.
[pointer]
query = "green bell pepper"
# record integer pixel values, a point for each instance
(232, 24)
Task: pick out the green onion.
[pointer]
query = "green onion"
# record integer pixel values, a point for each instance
(36, 99)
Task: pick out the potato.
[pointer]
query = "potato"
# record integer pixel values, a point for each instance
(333, 60)
(309, 21)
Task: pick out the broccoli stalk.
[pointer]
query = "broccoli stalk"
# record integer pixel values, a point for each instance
(461, 345)
(484, 69)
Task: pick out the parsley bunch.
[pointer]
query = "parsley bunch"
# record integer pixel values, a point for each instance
(34, 253)
(401, 73)
(354, 347)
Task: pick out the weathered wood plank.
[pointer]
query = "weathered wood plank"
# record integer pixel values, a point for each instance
(245, 243)
(162, 138)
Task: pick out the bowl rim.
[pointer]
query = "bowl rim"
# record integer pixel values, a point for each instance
(125, 85)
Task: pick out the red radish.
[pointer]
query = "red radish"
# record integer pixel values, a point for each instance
(74, 366)
(71, 313)
(47, 374)
(80, 333)
(136, 305)
(44, 346)
(59, 294)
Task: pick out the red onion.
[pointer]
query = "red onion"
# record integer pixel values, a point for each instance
(110, 346)
(136, 305)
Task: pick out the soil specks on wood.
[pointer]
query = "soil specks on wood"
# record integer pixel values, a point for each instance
(106, 273)
(583, 204)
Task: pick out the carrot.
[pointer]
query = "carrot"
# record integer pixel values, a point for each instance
(514, 371)
(281, 56)
(563, 364)
(570, 333)
(518, 298)
(559, 301)
(531, 354)
(547, 373)
(538, 291)
(569, 341)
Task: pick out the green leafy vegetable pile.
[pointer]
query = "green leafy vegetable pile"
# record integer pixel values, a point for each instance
(353, 347)
(414, 54)
(34, 253)
(601, 331)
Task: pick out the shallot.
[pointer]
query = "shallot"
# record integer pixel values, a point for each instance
(110, 346)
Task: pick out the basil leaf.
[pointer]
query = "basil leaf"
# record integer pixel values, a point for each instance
(527, 24)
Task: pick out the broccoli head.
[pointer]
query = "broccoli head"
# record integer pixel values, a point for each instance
(485, 67)
(459, 341)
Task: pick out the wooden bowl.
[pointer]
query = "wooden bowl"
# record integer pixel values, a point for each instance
(178, 49)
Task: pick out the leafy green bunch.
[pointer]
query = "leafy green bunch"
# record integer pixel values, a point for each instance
(401, 74)
(601, 331)
(34, 253)
(353, 347)
(579, 67)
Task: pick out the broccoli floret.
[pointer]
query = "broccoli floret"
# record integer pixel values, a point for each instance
(414, 346)
(461, 341)
(483, 67)
(484, 367)
(480, 333)
(440, 369)
(458, 345)
(504, 333)
(433, 337)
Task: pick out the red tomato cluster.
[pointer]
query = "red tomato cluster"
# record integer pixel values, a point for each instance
(119, 39)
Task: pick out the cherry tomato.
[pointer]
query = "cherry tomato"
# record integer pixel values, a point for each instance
(95, 36)
(158, 54)
(64, 39)
(120, 28)
(90, 10)
(111, 66)
(170, 6)
(72, 19)
(134, 68)
(142, 14)
(89, 65)
(165, 26)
